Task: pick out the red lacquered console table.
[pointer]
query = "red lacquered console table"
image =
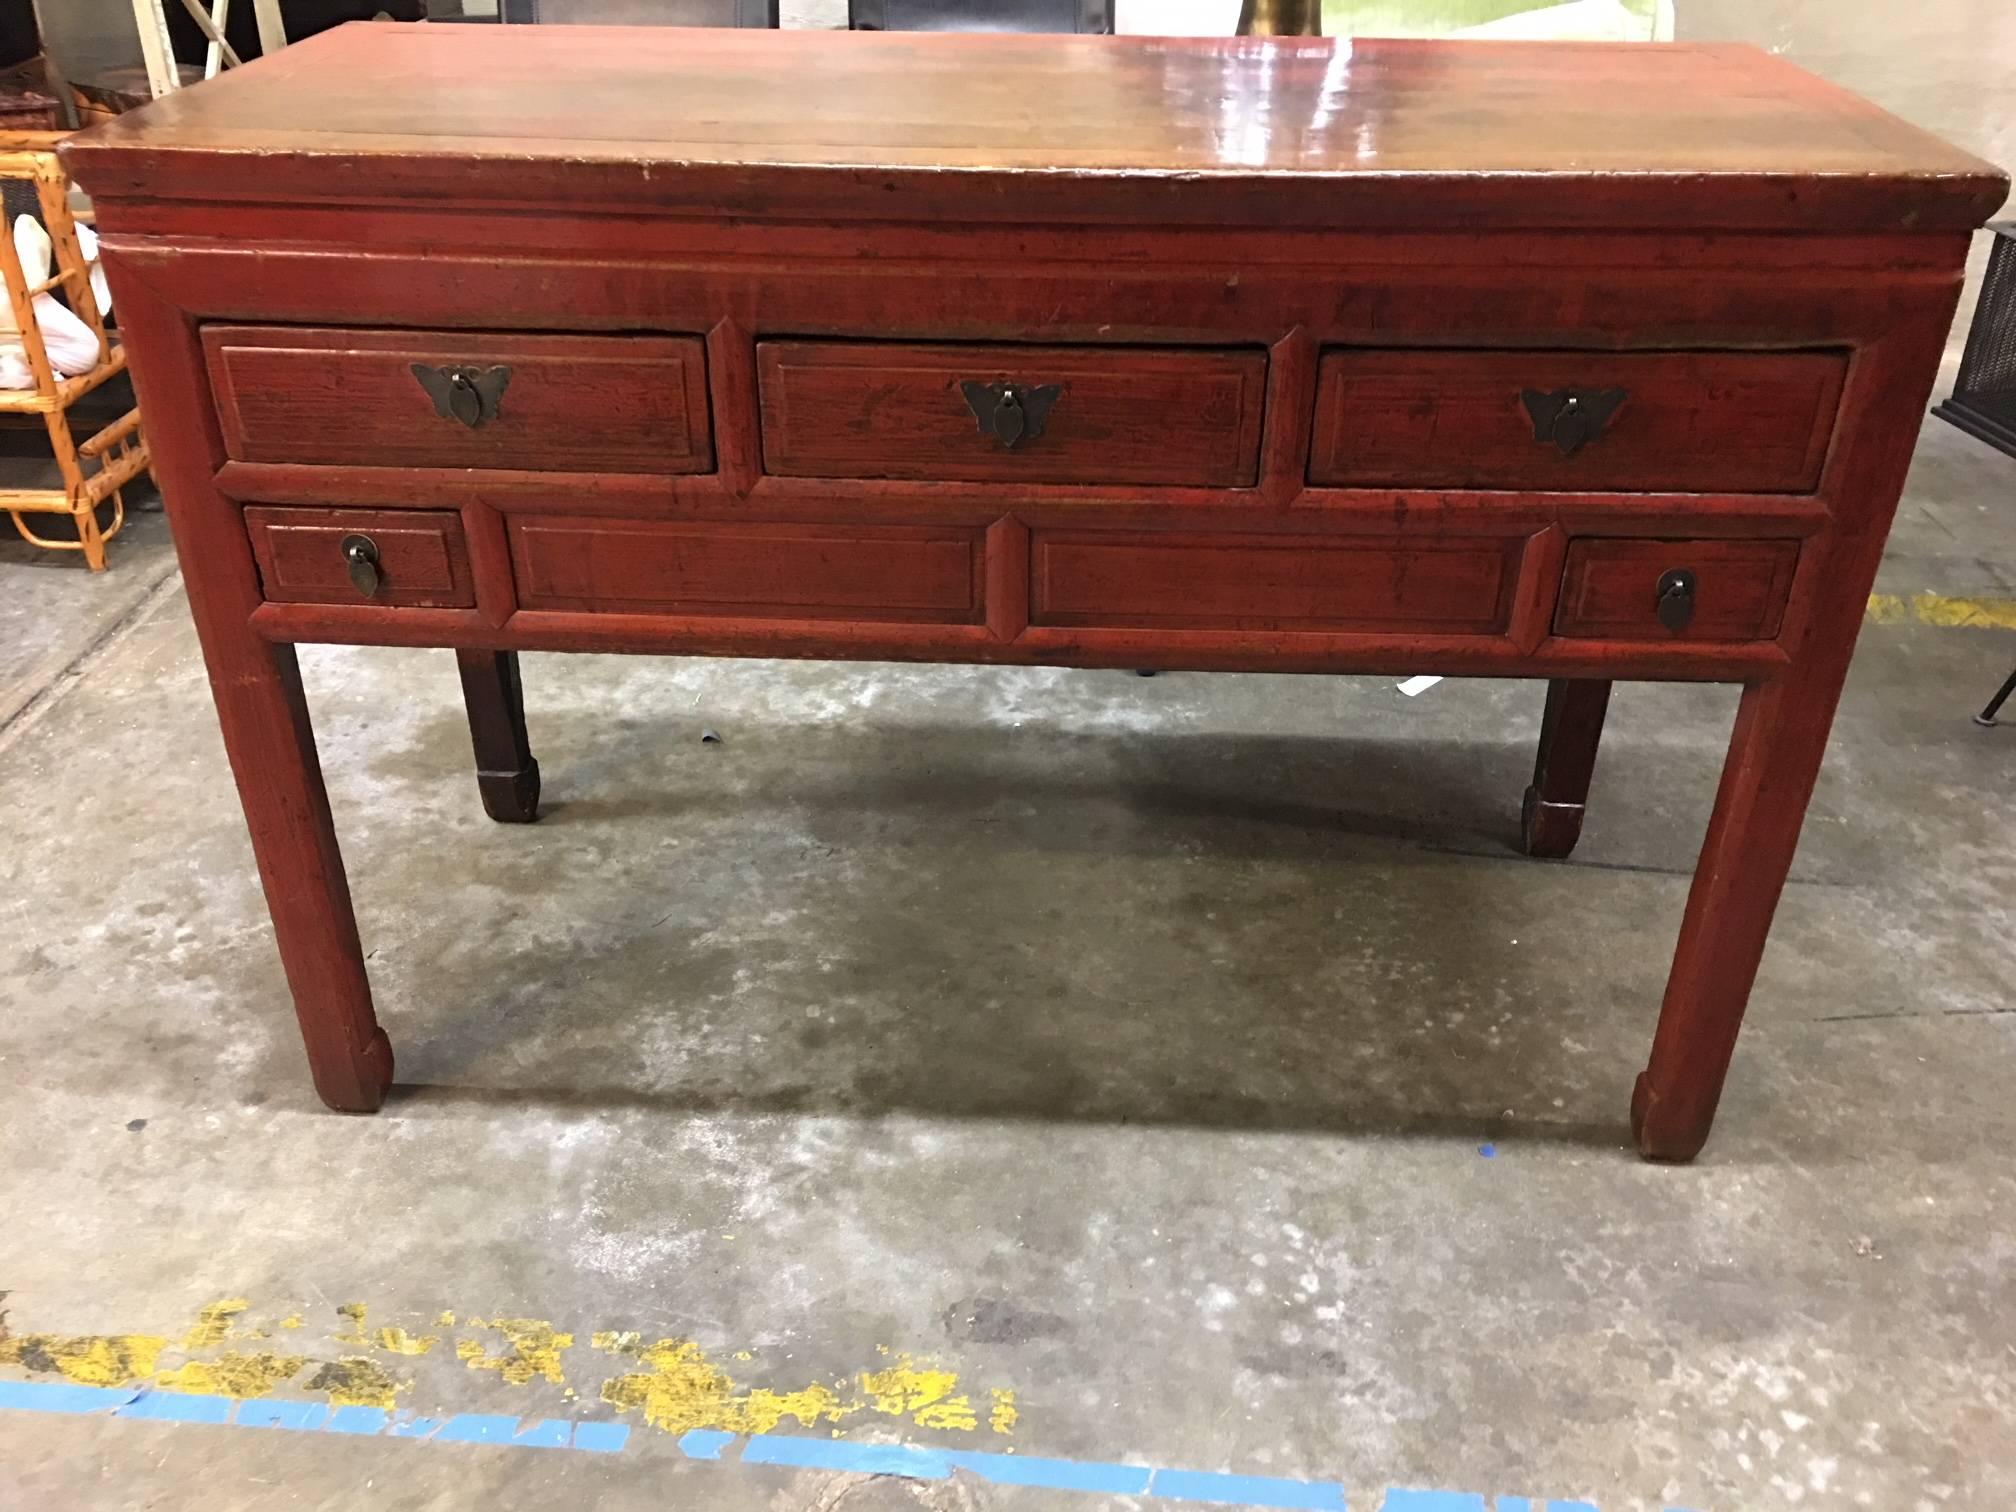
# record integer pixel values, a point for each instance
(1574, 363)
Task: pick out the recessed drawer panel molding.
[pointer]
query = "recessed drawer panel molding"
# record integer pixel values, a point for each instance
(1675, 590)
(885, 573)
(1268, 582)
(412, 558)
(1695, 422)
(1012, 414)
(461, 399)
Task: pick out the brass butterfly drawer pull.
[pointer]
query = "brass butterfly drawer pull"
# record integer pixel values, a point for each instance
(1571, 418)
(468, 394)
(1010, 412)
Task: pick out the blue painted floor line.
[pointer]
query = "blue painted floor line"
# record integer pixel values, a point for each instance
(308, 1417)
(784, 1451)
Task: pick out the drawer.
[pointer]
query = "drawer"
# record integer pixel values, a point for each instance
(1266, 582)
(461, 399)
(1611, 589)
(1011, 414)
(885, 573)
(1693, 422)
(421, 558)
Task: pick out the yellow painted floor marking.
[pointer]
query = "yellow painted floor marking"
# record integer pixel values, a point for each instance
(213, 1323)
(353, 1313)
(357, 1381)
(87, 1359)
(679, 1388)
(535, 1350)
(233, 1374)
(1948, 611)
(670, 1382)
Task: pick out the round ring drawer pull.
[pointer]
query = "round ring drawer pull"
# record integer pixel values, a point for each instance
(1676, 599)
(361, 553)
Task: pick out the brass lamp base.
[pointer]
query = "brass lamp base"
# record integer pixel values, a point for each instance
(1281, 18)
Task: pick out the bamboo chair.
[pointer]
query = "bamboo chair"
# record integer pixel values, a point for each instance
(100, 466)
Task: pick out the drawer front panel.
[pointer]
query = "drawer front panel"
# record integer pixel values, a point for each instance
(1693, 422)
(1036, 414)
(1611, 589)
(1254, 582)
(889, 574)
(539, 403)
(420, 557)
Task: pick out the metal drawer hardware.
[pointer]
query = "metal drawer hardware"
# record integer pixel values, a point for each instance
(1676, 599)
(468, 394)
(1009, 413)
(361, 552)
(1570, 418)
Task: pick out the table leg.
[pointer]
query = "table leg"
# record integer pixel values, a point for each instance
(506, 774)
(272, 749)
(261, 712)
(1774, 757)
(1570, 731)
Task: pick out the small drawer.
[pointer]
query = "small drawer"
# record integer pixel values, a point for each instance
(869, 573)
(1011, 414)
(416, 558)
(1675, 590)
(458, 399)
(1694, 422)
(1267, 582)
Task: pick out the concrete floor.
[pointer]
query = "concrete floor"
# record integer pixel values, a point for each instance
(1188, 1067)
(1130, 1046)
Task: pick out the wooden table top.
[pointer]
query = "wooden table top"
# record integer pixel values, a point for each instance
(1295, 131)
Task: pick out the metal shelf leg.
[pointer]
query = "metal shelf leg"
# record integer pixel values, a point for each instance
(1987, 715)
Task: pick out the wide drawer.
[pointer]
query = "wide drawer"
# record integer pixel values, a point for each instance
(1709, 590)
(886, 573)
(1696, 422)
(1021, 414)
(1269, 582)
(417, 558)
(461, 399)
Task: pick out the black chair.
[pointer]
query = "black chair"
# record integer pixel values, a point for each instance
(1085, 16)
(752, 13)
(1984, 395)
